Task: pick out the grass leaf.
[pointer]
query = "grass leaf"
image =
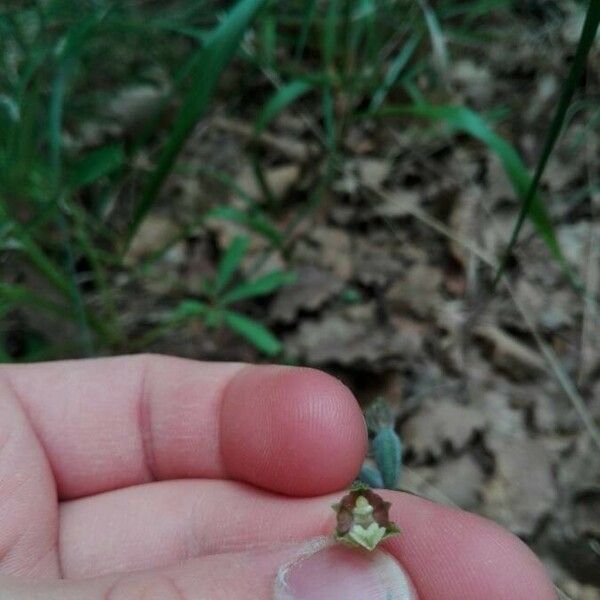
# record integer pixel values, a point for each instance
(230, 262)
(259, 287)
(282, 98)
(330, 34)
(258, 335)
(468, 121)
(205, 71)
(586, 40)
(95, 165)
(188, 309)
(393, 72)
(254, 219)
(438, 40)
(14, 236)
(310, 11)
(18, 295)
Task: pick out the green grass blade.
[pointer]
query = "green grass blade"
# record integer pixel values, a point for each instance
(396, 67)
(68, 50)
(254, 219)
(310, 11)
(188, 309)
(268, 38)
(211, 61)
(586, 40)
(330, 34)
(468, 121)
(230, 262)
(259, 287)
(15, 237)
(95, 165)
(18, 295)
(282, 98)
(438, 40)
(258, 335)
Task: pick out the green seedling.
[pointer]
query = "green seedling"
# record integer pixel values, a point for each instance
(386, 448)
(221, 292)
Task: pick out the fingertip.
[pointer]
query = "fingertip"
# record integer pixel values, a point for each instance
(293, 430)
(454, 554)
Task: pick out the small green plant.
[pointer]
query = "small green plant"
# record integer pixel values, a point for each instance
(222, 292)
(61, 62)
(70, 207)
(385, 448)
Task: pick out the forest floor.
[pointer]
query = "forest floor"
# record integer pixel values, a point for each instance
(393, 276)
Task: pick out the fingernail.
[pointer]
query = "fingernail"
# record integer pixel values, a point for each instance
(336, 572)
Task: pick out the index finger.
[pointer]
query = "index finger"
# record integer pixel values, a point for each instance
(115, 422)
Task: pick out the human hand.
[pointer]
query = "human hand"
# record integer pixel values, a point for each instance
(157, 478)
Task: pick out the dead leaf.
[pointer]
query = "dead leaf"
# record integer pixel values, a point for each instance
(279, 180)
(290, 147)
(153, 234)
(312, 289)
(579, 472)
(509, 354)
(347, 183)
(354, 337)
(578, 591)
(553, 311)
(573, 241)
(397, 204)
(502, 417)
(441, 424)
(329, 248)
(418, 292)
(473, 81)
(463, 222)
(375, 261)
(460, 479)
(499, 188)
(522, 490)
(372, 172)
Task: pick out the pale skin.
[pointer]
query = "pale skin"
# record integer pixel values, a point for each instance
(157, 477)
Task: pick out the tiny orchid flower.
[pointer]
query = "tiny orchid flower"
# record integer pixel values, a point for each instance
(363, 518)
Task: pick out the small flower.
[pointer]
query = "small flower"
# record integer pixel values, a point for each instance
(363, 518)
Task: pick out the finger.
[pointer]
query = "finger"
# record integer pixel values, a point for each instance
(448, 553)
(453, 554)
(111, 423)
(221, 577)
(28, 511)
(308, 572)
(164, 523)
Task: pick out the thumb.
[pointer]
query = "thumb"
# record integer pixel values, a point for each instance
(317, 570)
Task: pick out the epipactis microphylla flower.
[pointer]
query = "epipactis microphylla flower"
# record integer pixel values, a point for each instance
(363, 518)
